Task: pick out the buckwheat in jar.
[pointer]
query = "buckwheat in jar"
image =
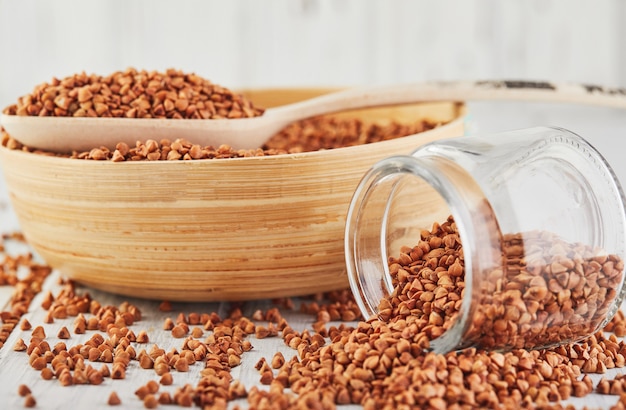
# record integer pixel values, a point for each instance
(532, 223)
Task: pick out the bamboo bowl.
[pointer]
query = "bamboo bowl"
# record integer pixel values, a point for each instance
(206, 230)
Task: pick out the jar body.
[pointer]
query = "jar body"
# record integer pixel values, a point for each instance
(542, 223)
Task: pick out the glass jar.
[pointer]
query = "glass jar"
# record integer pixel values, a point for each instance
(541, 223)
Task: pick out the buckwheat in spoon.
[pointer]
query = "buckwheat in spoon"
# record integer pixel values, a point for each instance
(65, 134)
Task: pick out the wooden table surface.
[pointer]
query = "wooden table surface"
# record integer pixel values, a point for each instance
(604, 128)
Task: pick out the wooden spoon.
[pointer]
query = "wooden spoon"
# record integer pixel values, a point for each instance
(64, 134)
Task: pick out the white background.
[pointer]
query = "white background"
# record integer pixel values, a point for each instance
(244, 43)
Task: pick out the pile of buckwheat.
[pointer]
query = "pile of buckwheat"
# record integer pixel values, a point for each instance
(377, 363)
(134, 94)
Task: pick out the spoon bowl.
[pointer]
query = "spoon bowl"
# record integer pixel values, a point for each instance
(67, 134)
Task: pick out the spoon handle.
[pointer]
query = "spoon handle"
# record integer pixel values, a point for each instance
(452, 91)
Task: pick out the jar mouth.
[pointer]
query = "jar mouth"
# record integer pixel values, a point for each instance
(394, 202)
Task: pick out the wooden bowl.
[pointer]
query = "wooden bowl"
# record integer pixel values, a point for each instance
(206, 230)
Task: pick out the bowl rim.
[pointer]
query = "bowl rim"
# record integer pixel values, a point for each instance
(461, 108)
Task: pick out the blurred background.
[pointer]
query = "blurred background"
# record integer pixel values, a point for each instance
(251, 43)
(281, 43)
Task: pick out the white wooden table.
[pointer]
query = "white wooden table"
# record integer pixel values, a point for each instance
(604, 128)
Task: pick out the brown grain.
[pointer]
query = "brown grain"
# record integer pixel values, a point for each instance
(38, 332)
(262, 332)
(142, 392)
(145, 361)
(38, 363)
(94, 377)
(322, 133)
(179, 331)
(197, 332)
(25, 325)
(165, 398)
(184, 399)
(114, 399)
(118, 372)
(29, 401)
(266, 377)
(142, 337)
(181, 365)
(164, 306)
(63, 333)
(47, 373)
(134, 94)
(278, 360)
(152, 386)
(166, 379)
(19, 345)
(23, 390)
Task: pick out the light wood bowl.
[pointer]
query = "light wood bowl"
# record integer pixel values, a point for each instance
(206, 230)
